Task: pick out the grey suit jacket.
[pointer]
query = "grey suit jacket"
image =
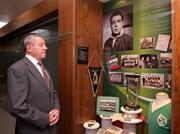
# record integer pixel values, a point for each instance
(30, 100)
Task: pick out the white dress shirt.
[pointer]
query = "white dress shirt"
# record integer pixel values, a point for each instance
(35, 62)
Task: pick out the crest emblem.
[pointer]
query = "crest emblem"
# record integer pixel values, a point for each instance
(162, 120)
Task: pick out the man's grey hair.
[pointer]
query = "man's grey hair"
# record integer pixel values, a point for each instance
(28, 39)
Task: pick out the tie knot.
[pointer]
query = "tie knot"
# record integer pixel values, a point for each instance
(40, 64)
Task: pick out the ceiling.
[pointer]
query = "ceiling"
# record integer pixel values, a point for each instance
(10, 9)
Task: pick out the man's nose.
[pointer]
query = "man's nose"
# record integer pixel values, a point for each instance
(116, 23)
(45, 47)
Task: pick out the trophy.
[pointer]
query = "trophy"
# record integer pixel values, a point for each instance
(132, 90)
(131, 109)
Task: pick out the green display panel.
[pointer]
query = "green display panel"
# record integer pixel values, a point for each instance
(151, 26)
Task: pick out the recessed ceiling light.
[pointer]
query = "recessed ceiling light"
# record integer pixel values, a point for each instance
(2, 24)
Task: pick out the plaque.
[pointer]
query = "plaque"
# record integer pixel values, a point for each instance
(82, 55)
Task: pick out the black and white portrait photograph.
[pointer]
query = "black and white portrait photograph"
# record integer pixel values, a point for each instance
(118, 30)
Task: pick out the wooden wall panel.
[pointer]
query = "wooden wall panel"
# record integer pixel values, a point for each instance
(83, 18)
(66, 64)
(89, 34)
(176, 67)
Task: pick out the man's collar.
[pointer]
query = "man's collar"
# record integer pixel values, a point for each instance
(32, 59)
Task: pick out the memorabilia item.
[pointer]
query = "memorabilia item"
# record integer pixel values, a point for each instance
(113, 63)
(82, 55)
(94, 71)
(148, 61)
(91, 127)
(116, 77)
(107, 105)
(91, 123)
(168, 81)
(129, 61)
(159, 114)
(166, 60)
(152, 81)
(118, 30)
(147, 43)
(163, 42)
(132, 91)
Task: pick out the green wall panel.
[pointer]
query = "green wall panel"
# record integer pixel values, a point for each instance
(150, 18)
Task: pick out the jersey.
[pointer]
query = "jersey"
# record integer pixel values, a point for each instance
(159, 121)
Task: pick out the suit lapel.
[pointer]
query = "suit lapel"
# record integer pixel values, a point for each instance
(31, 67)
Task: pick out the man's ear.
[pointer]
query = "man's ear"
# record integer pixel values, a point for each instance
(28, 48)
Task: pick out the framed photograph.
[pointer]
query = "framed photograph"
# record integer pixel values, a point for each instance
(166, 60)
(82, 55)
(113, 35)
(107, 105)
(129, 61)
(148, 61)
(163, 42)
(113, 63)
(147, 43)
(116, 78)
(168, 81)
(152, 81)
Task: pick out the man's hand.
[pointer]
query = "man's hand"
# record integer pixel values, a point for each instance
(53, 116)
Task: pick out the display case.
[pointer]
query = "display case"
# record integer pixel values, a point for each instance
(144, 47)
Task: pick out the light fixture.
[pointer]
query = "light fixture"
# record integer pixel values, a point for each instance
(2, 24)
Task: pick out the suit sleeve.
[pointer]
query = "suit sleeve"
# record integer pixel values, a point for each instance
(17, 95)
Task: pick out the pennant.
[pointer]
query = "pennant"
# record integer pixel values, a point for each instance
(94, 74)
